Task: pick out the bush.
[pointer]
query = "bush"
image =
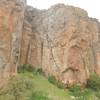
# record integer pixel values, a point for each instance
(25, 67)
(57, 83)
(75, 91)
(39, 96)
(29, 68)
(78, 93)
(38, 71)
(94, 83)
(16, 89)
(97, 94)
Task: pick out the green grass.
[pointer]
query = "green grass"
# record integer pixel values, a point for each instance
(81, 94)
(55, 82)
(18, 88)
(39, 96)
(30, 86)
(94, 82)
(42, 84)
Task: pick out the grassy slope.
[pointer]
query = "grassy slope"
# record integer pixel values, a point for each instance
(53, 92)
(42, 88)
(42, 84)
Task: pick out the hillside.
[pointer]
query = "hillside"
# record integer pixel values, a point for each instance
(35, 86)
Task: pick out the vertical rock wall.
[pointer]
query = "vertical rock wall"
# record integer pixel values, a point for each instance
(11, 23)
(62, 41)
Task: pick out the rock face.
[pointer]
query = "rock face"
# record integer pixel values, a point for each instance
(63, 41)
(11, 22)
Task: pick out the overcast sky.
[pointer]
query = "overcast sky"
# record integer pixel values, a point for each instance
(92, 6)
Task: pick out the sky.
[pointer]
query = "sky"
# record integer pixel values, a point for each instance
(91, 6)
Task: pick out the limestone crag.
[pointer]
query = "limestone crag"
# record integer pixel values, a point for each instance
(62, 40)
(11, 22)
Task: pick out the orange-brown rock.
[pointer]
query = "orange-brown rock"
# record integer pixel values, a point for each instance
(11, 22)
(63, 41)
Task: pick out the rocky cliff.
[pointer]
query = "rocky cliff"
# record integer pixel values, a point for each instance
(11, 22)
(62, 40)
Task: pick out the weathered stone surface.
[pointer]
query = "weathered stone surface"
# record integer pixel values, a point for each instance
(11, 22)
(63, 41)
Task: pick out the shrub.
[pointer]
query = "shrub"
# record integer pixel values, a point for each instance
(39, 96)
(75, 90)
(25, 67)
(29, 68)
(38, 71)
(94, 83)
(78, 93)
(16, 89)
(56, 82)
